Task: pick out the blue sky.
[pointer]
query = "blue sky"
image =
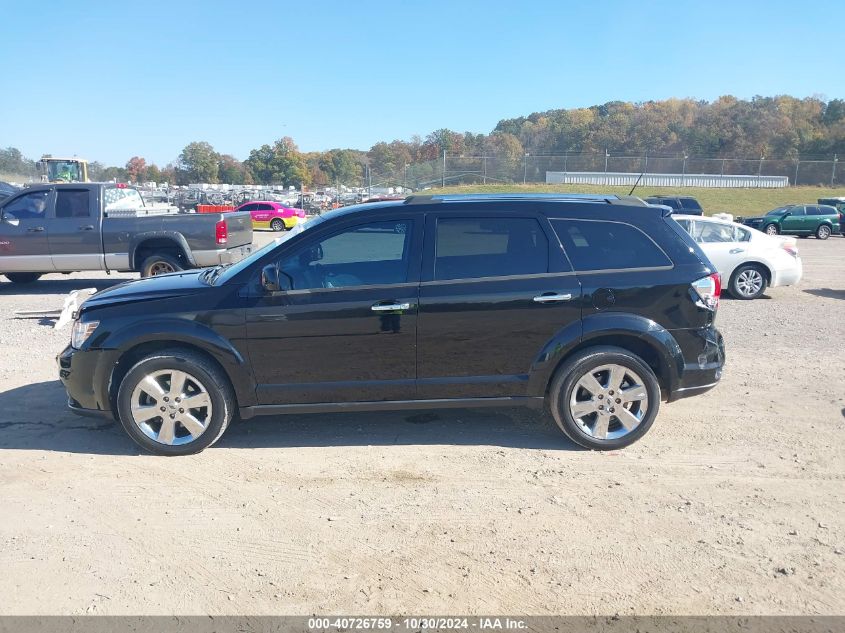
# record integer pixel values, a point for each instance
(115, 79)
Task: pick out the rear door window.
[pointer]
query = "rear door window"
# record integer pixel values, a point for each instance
(72, 203)
(593, 245)
(468, 248)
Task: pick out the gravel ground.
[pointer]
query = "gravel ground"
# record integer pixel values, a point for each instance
(732, 504)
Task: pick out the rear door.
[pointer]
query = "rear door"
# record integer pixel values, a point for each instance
(23, 233)
(495, 290)
(74, 234)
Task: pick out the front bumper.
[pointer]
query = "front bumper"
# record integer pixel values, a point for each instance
(704, 358)
(85, 375)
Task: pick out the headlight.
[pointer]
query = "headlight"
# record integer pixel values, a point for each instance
(81, 331)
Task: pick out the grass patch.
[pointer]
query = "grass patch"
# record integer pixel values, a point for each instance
(744, 202)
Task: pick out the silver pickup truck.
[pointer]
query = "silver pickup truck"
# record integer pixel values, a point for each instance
(103, 226)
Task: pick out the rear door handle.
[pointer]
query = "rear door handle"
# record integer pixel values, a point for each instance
(551, 297)
(389, 307)
(35, 229)
(87, 227)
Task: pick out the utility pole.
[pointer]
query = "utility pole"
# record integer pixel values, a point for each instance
(405, 177)
(525, 168)
(760, 169)
(443, 174)
(684, 171)
(484, 163)
(797, 165)
(833, 171)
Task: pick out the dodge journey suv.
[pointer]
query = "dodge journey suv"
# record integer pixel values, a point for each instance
(597, 307)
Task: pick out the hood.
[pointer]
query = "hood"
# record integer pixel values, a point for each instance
(178, 284)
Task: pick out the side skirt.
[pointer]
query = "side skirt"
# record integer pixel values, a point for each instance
(390, 405)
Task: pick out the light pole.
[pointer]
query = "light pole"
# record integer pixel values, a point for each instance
(443, 174)
(684, 171)
(525, 168)
(833, 171)
(760, 169)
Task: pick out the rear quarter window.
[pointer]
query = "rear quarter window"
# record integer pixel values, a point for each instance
(606, 245)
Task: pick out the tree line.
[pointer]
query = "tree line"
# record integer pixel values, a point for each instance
(775, 127)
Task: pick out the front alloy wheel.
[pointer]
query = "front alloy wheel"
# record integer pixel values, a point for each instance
(772, 229)
(171, 407)
(175, 402)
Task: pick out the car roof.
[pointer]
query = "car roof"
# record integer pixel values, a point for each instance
(705, 218)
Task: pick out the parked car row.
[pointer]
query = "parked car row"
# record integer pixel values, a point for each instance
(802, 220)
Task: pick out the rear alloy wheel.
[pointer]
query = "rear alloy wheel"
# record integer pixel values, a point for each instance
(160, 264)
(22, 278)
(175, 402)
(605, 398)
(277, 225)
(748, 282)
(772, 229)
(823, 232)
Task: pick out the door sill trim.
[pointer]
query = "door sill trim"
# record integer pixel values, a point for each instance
(390, 405)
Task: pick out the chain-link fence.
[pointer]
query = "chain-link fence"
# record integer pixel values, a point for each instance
(460, 170)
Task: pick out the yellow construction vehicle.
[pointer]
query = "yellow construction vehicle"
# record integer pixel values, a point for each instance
(53, 169)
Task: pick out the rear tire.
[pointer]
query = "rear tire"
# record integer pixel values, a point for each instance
(166, 380)
(160, 264)
(771, 229)
(747, 282)
(22, 278)
(823, 232)
(614, 394)
(277, 225)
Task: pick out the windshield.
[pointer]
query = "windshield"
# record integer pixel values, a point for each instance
(778, 211)
(63, 170)
(230, 271)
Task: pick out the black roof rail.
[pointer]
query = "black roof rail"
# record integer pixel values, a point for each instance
(505, 197)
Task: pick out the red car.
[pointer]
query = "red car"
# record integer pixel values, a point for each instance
(272, 215)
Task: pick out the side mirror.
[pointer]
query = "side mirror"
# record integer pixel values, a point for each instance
(787, 214)
(8, 218)
(272, 280)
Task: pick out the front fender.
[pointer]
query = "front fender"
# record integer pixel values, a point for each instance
(597, 329)
(192, 334)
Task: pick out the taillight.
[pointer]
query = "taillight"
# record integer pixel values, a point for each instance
(789, 248)
(708, 289)
(222, 232)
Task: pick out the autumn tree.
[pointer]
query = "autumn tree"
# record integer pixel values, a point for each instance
(279, 164)
(198, 162)
(136, 169)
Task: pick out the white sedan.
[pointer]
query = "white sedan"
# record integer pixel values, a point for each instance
(748, 260)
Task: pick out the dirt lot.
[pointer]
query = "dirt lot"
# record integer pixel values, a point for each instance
(733, 504)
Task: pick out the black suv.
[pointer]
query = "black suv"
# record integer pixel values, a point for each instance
(680, 204)
(597, 306)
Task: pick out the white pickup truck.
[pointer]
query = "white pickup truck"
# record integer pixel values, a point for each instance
(104, 226)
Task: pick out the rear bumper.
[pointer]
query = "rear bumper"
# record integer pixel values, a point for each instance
(704, 358)
(788, 276)
(221, 256)
(85, 376)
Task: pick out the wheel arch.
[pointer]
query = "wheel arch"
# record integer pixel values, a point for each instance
(643, 337)
(158, 337)
(143, 245)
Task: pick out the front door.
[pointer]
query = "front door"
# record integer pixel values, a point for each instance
(795, 222)
(23, 233)
(493, 294)
(346, 330)
(74, 235)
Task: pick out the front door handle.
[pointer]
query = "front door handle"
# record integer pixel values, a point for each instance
(87, 227)
(35, 229)
(551, 297)
(389, 307)
(734, 251)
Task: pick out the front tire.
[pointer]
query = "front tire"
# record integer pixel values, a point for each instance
(772, 229)
(175, 402)
(277, 225)
(604, 398)
(747, 282)
(22, 278)
(160, 264)
(823, 232)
